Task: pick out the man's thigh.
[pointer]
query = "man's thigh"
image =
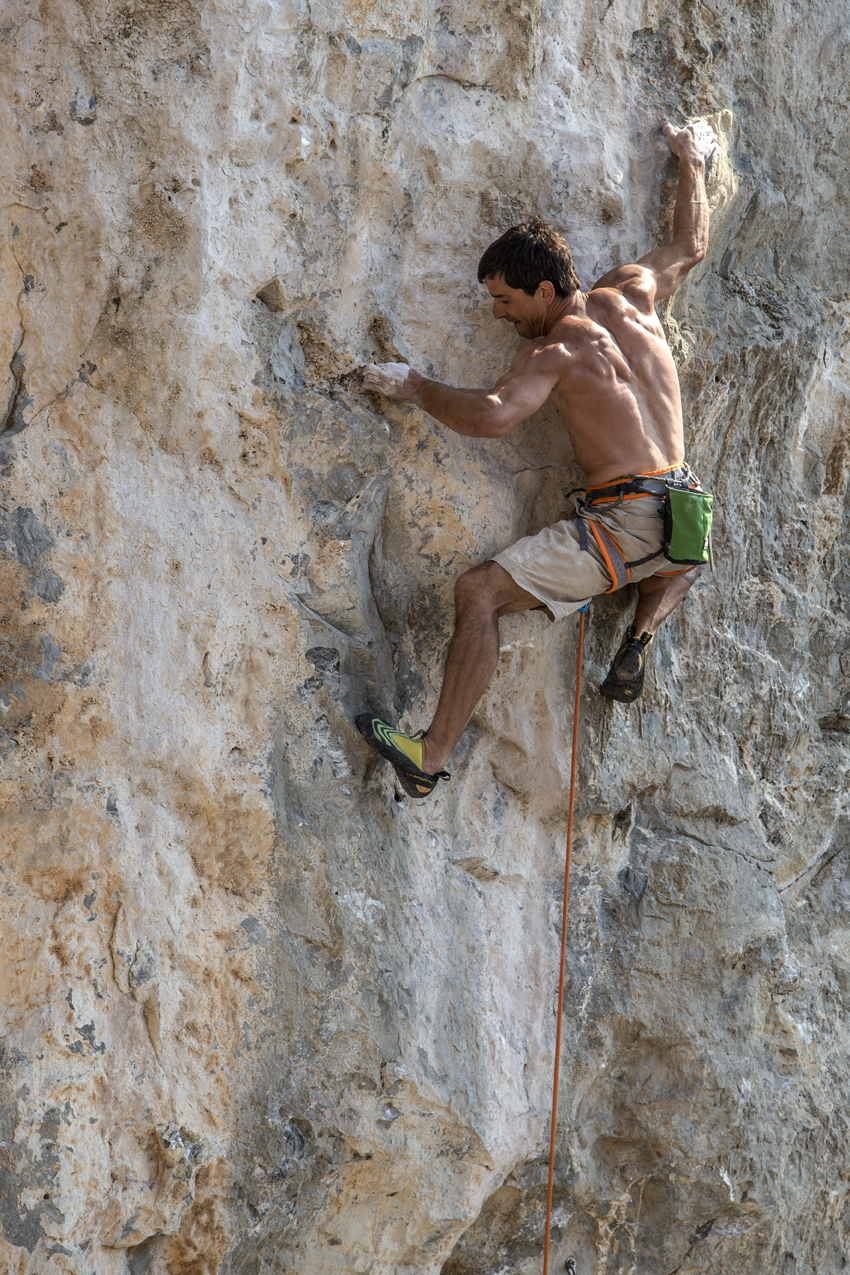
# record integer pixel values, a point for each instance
(556, 570)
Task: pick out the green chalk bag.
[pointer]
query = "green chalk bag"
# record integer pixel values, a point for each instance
(687, 526)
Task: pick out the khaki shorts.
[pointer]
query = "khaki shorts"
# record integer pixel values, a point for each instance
(553, 567)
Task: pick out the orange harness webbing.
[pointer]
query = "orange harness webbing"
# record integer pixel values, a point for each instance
(563, 949)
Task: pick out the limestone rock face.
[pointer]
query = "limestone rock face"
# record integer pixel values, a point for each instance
(260, 1014)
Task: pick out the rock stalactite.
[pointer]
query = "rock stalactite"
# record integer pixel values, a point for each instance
(260, 1016)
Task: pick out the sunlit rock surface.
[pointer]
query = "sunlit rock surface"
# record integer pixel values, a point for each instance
(259, 1014)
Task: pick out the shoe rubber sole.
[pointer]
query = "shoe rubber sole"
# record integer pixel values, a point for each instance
(625, 679)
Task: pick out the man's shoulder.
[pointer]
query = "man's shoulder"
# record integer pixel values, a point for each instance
(632, 284)
(570, 331)
(558, 345)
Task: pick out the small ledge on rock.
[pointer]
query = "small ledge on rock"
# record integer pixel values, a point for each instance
(271, 294)
(477, 868)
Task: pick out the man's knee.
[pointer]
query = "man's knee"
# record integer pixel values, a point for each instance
(479, 588)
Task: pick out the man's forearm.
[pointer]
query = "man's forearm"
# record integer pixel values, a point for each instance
(470, 412)
(671, 262)
(690, 216)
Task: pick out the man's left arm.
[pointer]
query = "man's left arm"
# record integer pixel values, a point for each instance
(475, 413)
(659, 273)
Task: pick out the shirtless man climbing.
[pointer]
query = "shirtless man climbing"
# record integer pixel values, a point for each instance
(602, 358)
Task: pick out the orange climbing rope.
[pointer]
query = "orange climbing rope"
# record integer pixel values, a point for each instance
(563, 948)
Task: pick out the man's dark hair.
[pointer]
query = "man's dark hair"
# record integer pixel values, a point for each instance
(527, 254)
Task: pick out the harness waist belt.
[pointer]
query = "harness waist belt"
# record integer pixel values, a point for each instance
(628, 487)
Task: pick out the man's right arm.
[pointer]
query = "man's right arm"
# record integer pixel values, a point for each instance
(658, 274)
(475, 413)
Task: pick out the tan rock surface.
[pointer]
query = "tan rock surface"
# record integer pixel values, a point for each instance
(259, 1014)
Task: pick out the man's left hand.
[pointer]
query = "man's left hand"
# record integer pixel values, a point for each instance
(695, 141)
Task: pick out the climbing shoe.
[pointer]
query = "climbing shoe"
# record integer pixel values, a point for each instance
(403, 752)
(625, 676)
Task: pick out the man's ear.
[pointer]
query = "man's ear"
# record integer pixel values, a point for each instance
(546, 291)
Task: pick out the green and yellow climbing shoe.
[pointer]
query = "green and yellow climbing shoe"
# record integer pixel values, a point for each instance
(403, 752)
(625, 676)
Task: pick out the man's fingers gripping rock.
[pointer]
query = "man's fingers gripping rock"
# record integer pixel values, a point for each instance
(698, 138)
(704, 138)
(389, 379)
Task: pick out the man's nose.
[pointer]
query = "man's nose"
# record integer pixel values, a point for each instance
(498, 310)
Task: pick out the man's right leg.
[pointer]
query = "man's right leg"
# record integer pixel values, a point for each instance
(482, 596)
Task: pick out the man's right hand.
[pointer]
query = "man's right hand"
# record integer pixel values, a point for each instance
(393, 380)
(694, 141)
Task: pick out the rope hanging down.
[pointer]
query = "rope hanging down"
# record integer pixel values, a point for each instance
(563, 946)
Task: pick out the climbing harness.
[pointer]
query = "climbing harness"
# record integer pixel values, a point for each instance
(618, 569)
(686, 512)
(563, 942)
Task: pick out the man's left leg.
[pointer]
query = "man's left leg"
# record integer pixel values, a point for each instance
(658, 596)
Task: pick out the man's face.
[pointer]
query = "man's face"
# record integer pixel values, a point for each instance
(517, 307)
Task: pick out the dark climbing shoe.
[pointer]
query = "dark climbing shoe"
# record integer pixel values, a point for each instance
(625, 676)
(403, 752)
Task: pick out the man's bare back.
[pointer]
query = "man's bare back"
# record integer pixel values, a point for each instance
(616, 389)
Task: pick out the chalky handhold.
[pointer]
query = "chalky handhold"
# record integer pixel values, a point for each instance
(386, 378)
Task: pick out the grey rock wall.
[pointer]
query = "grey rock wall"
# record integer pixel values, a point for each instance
(260, 1015)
